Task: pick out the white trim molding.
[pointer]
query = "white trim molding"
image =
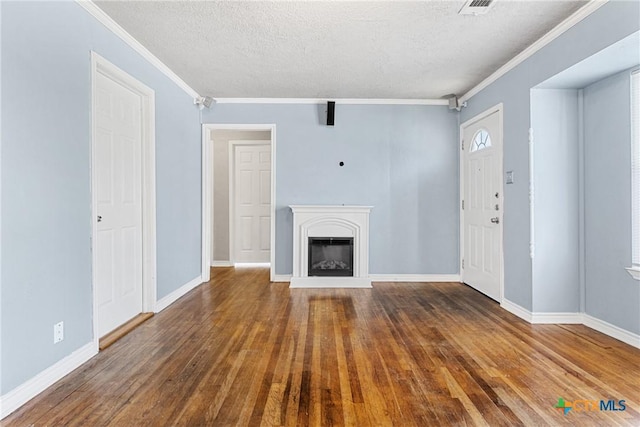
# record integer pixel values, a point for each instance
(612, 330)
(517, 310)
(573, 319)
(634, 272)
(216, 264)
(100, 66)
(541, 318)
(166, 301)
(207, 191)
(134, 44)
(416, 278)
(345, 101)
(556, 318)
(409, 278)
(532, 196)
(558, 30)
(28, 390)
(208, 202)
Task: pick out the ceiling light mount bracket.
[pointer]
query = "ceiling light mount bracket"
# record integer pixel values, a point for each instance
(204, 101)
(454, 102)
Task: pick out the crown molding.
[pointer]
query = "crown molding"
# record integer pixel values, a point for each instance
(558, 30)
(353, 101)
(116, 29)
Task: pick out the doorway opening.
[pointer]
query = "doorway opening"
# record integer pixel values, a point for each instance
(238, 196)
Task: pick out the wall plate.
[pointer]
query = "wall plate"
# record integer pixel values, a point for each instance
(509, 177)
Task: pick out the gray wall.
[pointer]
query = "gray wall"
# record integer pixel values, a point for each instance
(610, 23)
(46, 216)
(403, 160)
(556, 277)
(611, 294)
(220, 176)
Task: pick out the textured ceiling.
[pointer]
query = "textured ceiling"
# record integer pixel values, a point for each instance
(334, 49)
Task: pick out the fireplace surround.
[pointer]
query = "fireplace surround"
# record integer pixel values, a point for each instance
(334, 239)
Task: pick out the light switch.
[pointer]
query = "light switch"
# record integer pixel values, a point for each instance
(509, 177)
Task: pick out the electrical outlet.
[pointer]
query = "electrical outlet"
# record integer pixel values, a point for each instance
(58, 332)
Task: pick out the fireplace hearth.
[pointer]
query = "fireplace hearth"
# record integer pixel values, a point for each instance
(331, 256)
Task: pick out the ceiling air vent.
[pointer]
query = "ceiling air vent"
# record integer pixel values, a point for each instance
(476, 7)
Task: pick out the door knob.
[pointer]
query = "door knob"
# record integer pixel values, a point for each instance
(99, 218)
(495, 220)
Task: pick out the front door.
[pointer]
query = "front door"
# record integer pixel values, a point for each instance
(118, 187)
(252, 207)
(482, 203)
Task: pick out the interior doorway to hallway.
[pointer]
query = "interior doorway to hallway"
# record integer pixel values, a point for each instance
(238, 196)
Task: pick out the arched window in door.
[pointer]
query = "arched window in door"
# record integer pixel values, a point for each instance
(481, 140)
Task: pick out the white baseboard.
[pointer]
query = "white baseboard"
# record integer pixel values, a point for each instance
(612, 330)
(221, 264)
(519, 311)
(36, 385)
(173, 296)
(393, 278)
(573, 318)
(28, 390)
(415, 277)
(557, 318)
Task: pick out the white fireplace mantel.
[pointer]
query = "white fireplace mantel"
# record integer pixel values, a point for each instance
(330, 221)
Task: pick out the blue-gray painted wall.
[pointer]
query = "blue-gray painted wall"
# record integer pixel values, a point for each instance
(46, 216)
(611, 294)
(402, 160)
(556, 277)
(610, 23)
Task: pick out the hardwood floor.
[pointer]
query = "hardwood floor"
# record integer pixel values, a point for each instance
(241, 351)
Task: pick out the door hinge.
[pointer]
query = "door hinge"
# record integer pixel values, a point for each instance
(462, 204)
(462, 262)
(462, 145)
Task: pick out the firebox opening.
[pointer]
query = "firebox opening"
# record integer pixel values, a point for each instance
(331, 256)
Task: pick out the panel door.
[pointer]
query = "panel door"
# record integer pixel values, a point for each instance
(482, 205)
(118, 184)
(252, 208)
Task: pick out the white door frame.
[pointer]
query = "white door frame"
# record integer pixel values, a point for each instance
(207, 191)
(232, 192)
(147, 96)
(463, 151)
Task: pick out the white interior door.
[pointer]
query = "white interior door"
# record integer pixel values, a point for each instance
(482, 198)
(118, 187)
(252, 205)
